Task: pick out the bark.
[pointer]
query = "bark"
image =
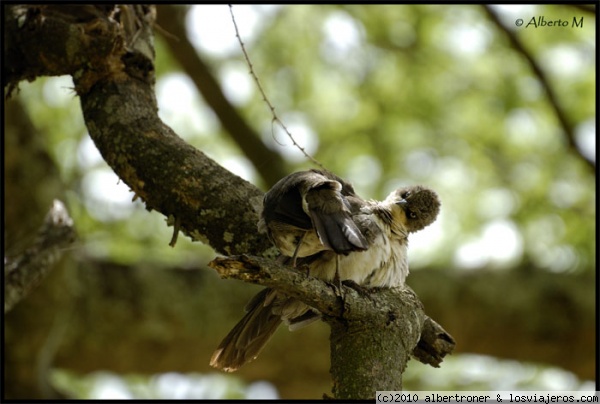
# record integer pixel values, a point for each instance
(110, 56)
(434, 344)
(370, 352)
(23, 273)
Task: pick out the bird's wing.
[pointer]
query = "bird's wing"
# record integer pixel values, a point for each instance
(331, 217)
(283, 203)
(314, 200)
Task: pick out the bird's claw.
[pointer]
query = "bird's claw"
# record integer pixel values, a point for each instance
(337, 285)
(363, 291)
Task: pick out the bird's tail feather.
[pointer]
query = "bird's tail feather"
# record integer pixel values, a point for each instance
(245, 341)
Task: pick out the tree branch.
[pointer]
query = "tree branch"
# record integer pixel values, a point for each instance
(269, 273)
(109, 53)
(435, 343)
(372, 331)
(588, 8)
(566, 126)
(25, 272)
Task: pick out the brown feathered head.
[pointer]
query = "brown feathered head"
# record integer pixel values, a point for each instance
(421, 206)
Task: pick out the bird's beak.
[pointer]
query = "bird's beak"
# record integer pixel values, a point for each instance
(401, 203)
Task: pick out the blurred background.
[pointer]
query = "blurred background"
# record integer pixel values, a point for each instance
(498, 118)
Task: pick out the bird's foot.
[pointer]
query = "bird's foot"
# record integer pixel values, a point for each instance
(337, 285)
(362, 290)
(304, 269)
(337, 288)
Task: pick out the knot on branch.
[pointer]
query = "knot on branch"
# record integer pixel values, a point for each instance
(435, 343)
(240, 267)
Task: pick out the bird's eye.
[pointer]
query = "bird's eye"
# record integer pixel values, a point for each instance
(405, 194)
(411, 215)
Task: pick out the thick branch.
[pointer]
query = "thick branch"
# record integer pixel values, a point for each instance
(268, 163)
(545, 82)
(109, 53)
(296, 284)
(372, 331)
(310, 290)
(435, 343)
(168, 174)
(588, 8)
(53, 40)
(25, 272)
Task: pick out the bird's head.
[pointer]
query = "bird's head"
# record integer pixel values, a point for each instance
(415, 206)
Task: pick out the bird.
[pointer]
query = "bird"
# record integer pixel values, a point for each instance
(317, 221)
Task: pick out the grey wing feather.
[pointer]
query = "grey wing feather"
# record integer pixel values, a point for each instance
(331, 218)
(338, 232)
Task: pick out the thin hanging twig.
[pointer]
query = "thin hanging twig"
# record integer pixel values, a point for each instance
(264, 96)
